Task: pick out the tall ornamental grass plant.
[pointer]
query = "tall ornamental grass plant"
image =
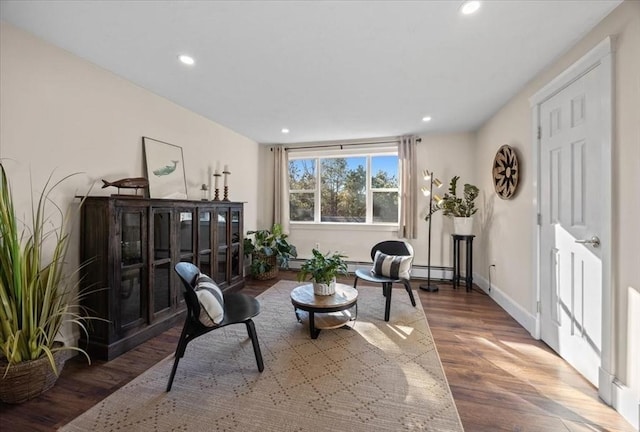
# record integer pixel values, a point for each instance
(36, 295)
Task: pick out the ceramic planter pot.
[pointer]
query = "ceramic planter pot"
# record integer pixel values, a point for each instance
(324, 289)
(463, 225)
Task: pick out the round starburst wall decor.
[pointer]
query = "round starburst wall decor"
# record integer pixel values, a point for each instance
(506, 172)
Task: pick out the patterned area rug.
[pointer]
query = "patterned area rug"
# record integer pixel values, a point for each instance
(377, 376)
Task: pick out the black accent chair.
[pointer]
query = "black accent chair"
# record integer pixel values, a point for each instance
(389, 247)
(238, 308)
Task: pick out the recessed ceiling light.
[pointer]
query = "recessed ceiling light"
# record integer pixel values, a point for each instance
(426, 118)
(285, 130)
(470, 7)
(188, 60)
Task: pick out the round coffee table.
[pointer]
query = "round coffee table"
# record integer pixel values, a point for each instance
(324, 311)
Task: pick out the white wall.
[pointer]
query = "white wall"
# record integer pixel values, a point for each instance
(508, 240)
(59, 112)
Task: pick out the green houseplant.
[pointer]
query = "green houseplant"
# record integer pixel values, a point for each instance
(269, 250)
(458, 207)
(37, 297)
(322, 269)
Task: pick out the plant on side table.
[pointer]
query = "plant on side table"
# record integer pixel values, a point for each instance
(461, 209)
(37, 296)
(269, 250)
(322, 269)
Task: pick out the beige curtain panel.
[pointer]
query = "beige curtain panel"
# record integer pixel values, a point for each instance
(408, 194)
(281, 187)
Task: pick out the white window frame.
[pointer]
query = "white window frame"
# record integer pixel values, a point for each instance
(358, 151)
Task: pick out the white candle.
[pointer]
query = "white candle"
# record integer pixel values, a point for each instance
(225, 178)
(226, 168)
(215, 179)
(217, 167)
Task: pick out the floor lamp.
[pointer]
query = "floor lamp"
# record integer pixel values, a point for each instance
(429, 177)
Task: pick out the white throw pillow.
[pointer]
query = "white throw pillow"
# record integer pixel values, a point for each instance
(211, 301)
(392, 266)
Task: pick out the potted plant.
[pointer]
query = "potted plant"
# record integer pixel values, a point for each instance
(37, 296)
(461, 209)
(269, 250)
(322, 270)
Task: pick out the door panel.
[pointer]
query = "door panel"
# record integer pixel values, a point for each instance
(571, 272)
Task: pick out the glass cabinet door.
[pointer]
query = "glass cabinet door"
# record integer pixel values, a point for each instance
(223, 246)
(130, 297)
(236, 238)
(205, 238)
(186, 235)
(162, 254)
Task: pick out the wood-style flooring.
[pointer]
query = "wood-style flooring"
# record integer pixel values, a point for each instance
(500, 377)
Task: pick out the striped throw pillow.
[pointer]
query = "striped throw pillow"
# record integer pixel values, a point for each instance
(211, 301)
(392, 266)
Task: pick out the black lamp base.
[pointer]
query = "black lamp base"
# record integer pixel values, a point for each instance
(430, 288)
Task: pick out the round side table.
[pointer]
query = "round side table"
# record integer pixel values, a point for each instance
(324, 312)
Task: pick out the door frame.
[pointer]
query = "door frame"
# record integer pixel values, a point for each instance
(600, 56)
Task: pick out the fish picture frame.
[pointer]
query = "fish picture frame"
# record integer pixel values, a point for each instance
(165, 169)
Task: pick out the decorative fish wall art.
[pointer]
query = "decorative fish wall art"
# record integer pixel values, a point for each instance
(127, 183)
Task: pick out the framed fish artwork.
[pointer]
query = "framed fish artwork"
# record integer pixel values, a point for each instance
(165, 169)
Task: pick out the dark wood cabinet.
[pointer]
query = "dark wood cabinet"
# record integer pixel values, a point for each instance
(131, 245)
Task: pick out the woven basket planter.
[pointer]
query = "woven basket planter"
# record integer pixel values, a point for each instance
(29, 379)
(273, 273)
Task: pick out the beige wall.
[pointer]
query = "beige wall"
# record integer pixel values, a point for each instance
(60, 112)
(508, 237)
(446, 155)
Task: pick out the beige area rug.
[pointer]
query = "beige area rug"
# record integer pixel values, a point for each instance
(378, 376)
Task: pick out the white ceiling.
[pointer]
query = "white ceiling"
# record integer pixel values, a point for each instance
(327, 70)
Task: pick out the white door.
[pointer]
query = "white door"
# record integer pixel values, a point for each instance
(571, 189)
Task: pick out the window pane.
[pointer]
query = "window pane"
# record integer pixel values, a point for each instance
(301, 207)
(343, 190)
(302, 174)
(384, 172)
(385, 207)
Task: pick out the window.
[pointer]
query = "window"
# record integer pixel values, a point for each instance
(354, 188)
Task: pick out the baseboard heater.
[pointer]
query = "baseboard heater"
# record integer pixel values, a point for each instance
(438, 273)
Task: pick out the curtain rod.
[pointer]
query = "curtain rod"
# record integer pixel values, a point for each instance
(338, 145)
(342, 145)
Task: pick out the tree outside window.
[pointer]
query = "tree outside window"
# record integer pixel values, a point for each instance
(353, 189)
(302, 189)
(384, 188)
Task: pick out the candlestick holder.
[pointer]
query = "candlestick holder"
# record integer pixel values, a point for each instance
(226, 187)
(216, 190)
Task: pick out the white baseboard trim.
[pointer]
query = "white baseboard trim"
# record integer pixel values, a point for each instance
(626, 402)
(517, 312)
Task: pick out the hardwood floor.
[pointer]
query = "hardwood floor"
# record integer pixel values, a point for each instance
(501, 378)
